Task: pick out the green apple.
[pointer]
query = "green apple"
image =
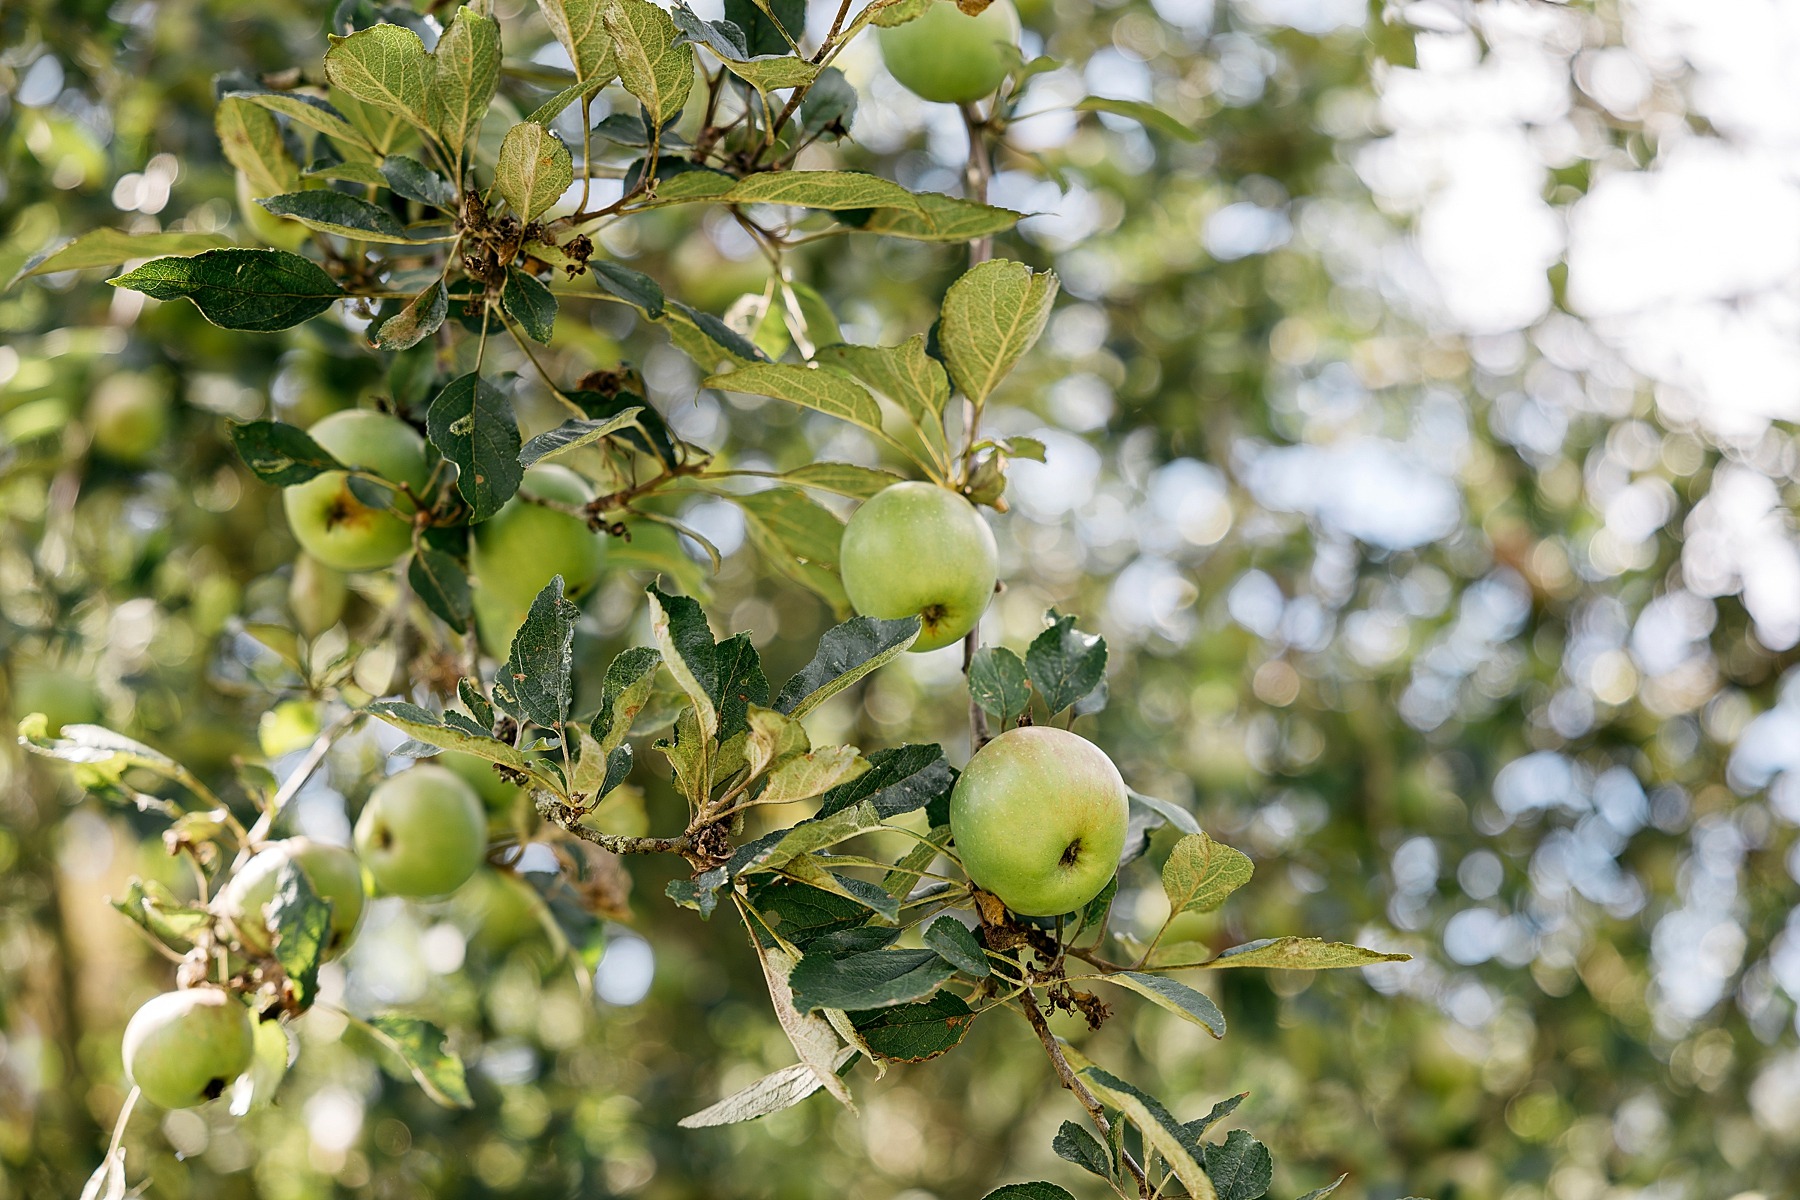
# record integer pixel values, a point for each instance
(316, 595)
(271, 230)
(129, 416)
(184, 1048)
(328, 521)
(422, 833)
(916, 549)
(515, 553)
(948, 56)
(1038, 819)
(333, 872)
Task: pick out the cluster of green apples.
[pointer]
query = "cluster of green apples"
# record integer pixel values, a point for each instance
(1039, 814)
(422, 834)
(511, 557)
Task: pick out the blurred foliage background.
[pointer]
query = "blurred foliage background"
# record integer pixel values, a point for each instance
(1421, 438)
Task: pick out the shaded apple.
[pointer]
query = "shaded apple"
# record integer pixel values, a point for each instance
(948, 56)
(184, 1048)
(422, 833)
(520, 548)
(333, 872)
(328, 520)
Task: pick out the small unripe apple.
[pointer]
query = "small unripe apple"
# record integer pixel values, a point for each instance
(271, 230)
(129, 416)
(316, 595)
(953, 58)
(1038, 819)
(422, 833)
(328, 521)
(333, 872)
(916, 549)
(519, 549)
(184, 1048)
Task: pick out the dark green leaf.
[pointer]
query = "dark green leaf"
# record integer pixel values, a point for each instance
(1321, 1193)
(301, 923)
(716, 332)
(372, 493)
(538, 669)
(721, 37)
(1147, 115)
(1161, 1130)
(109, 247)
(413, 179)
(529, 302)
(280, 454)
(741, 683)
(440, 582)
(915, 1032)
(877, 979)
(469, 692)
(471, 423)
(997, 683)
(1240, 1168)
(900, 779)
(571, 435)
(452, 734)
(829, 106)
(1029, 1191)
(958, 944)
(256, 290)
(647, 432)
(1174, 996)
(686, 642)
(623, 694)
(1224, 1108)
(846, 653)
(801, 913)
(335, 212)
(421, 318)
(700, 893)
(761, 33)
(1064, 663)
(420, 1044)
(1165, 811)
(1074, 1143)
(633, 287)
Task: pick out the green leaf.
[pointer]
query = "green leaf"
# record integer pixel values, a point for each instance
(1178, 998)
(572, 435)
(1241, 1168)
(773, 72)
(623, 694)
(537, 672)
(799, 536)
(530, 303)
(413, 179)
(1301, 954)
(301, 923)
(598, 772)
(958, 945)
(654, 64)
(534, 169)
(900, 779)
(577, 25)
(801, 913)
(420, 1045)
(365, 173)
(1162, 1132)
(822, 391)
(110, 247)
(384, 66)
(842, 479)
(741, 684)
(1224, 1108)
(279, 454)
(1321, 1193)
(830, 190)
(846, 654)
(997, 683)
(908, 376)
(425, 726)
(471, 423)
(256, 290)
(1029, 1191)
(440, 582)
(1064, 663)
(302, 109)
(335, 212)
(1147, 115)
(466, 69)
(772, 1093)
(774, 851)
(706, 339)
(633, 287)
(770, 26)
(873, 979)
(1074, 1143)
(1201, 873)
(686, 641)
(935, 218)
(991, 317)
(807, 775)
(830, 102)
(552, 108)
(900, 881)
(423, 315)
(915, 1032)
(1165, 811)
(251, 140)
